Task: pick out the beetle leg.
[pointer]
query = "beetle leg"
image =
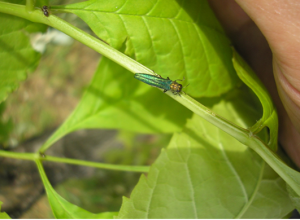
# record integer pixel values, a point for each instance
(156, 74)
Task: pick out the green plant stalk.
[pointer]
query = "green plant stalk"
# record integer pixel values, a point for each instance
(30, 5)
(142, 169)
(15, 155)
(36, 156)
(244, 136)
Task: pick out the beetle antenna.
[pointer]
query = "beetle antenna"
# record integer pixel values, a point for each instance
(180, 79)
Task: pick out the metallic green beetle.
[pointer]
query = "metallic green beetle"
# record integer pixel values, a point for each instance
(159, 82)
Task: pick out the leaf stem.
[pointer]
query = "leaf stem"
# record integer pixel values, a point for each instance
(15, 155)
(142, 169)
(36, 156)
(29, 5)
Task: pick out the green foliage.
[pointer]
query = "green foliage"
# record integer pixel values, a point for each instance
(17, 56)
(174, 38)
(115, 99)
(62, 209)
(3, 215)
(213, 167)
(294, 197)
(205, 173)
(6, 126)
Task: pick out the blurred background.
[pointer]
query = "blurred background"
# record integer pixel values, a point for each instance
(38, 107)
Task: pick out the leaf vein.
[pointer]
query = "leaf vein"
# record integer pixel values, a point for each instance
(181, 45)
(238, 178)
(192, 191)
(151, 195)
(205, 53)
(128, 36)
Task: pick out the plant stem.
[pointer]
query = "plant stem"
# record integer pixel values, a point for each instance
(15, 155)
(142, 169)
(36, 156)
(30, 5)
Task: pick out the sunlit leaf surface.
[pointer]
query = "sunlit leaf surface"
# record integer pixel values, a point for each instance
(174, 38)
(205, 173)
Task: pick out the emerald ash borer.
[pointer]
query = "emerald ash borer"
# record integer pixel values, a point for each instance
(159, 82)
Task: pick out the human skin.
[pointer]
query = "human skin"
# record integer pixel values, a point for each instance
(267, 34)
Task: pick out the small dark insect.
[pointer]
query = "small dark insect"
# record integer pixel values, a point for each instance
(42, 155)
(45, 10)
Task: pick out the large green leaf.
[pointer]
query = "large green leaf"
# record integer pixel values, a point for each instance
(63, 209)
(205, 173)
(174, 38)
(16, 54)
(116, 100)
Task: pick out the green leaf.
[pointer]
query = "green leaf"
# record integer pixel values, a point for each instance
(6, 126)
(271, 200)
(106, 215)
(294, 197)
(61, 208)
(175, 38)
(205, 173)
(116, 100)
(3, 215)
(269, 117)
(16, 54)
